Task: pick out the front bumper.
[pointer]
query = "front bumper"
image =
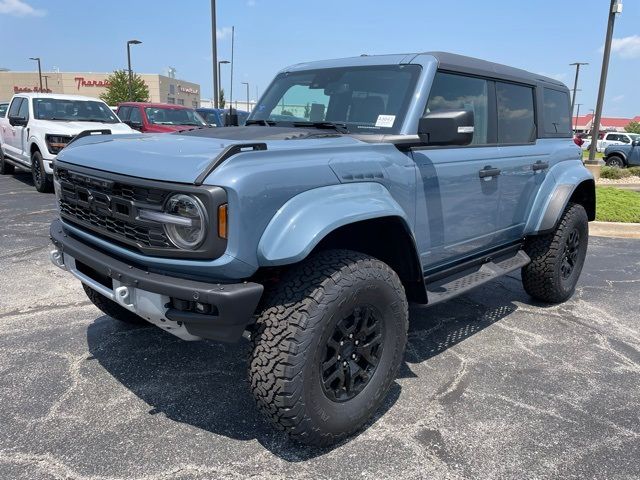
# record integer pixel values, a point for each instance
(152, 295)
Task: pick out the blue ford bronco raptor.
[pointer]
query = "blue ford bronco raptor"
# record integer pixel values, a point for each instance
(357, 186)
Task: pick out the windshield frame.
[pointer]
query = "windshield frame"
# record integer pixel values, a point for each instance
(353, 127)
(197, 116)
(111, 117)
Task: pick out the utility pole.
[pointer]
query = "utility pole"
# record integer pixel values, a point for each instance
(129, 43)
(37, 59)
(592, 164)
(231, 119)
(575, 83)
(46, 82)
(220, 62)
(214, 53)
(575, 127)
(247, 84)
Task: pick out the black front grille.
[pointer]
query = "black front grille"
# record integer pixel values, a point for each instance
(110, 208)
(149, 237)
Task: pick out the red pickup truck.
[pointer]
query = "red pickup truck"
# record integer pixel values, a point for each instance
(159, 117)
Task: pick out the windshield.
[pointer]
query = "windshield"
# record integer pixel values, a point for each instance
(174, 116)
(371, 99)
(73, 110)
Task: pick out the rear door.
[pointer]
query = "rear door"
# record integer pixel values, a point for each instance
(460, 196)
(22, 132)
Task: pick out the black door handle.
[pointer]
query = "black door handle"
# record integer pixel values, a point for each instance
(539, 166)
(489, 172)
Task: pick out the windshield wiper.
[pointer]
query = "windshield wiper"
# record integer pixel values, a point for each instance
(340, 127)
(261, 121)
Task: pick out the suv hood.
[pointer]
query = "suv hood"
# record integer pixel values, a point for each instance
(182, 157)
(73, 128)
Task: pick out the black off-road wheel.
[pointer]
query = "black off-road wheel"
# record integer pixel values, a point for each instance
(5, 168)
(615, 161)
(111, 308)
(328, 345)
(41, 180)
(557, 258)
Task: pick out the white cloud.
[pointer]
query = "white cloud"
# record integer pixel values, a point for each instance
(626, 47)
(19, 8)
(617, 98)
(223, 33)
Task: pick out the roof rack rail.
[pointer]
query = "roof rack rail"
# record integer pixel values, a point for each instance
(227, 152)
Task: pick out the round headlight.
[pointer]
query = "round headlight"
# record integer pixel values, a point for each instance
(190, 235)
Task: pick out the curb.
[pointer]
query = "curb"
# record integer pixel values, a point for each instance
(614, 229)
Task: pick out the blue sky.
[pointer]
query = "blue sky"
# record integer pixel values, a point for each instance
(542, 36)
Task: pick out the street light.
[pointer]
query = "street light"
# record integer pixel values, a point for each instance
(37, 59)
(219, 89)
(214, 55)
(575, 83)
(592, 164)
(247, 84)
(129, 43)
(46, 82)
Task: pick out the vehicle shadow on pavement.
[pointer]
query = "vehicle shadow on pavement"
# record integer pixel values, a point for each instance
(204, 384)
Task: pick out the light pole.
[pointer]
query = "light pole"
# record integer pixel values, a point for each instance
(247, 84)
(214, 54)
(231, 119)
(219, 89)
(46, 82)
(592, 164)
(37, 59)
(575, 83)
(129, 43)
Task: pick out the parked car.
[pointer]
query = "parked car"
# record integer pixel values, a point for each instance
(159, 117)
(216, 116)
(412, 178)
(4, 106)
(615, 138)
(620, 156)
(39, 125)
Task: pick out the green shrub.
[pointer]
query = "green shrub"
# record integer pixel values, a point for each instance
(634, 171)
(614, 173)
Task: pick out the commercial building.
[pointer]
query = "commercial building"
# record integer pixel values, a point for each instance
(584, 123)
(162, 89)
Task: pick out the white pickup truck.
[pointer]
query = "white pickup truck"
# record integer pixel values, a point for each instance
(38, 125)
(611, 138)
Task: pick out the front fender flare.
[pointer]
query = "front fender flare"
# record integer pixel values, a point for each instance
(301, 223)
(554, 194)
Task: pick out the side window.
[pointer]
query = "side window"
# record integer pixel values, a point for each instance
(15, 106)
(123, 113)
(24, 109)
(135, 117)
(457, 92)
(557, 118)
(516, 122)
(624, 139)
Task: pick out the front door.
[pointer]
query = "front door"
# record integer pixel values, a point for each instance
(458, 204)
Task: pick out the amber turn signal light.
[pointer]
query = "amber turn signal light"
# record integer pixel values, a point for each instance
(222, 221)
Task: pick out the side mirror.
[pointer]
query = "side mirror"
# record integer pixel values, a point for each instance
(636, 143)
(18, 121)
(134, 125)
(447, 127)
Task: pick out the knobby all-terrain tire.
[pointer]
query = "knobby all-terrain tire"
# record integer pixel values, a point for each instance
(288, 346)
(543, 278)
(111, 308)
(41, 180)
(615, 161)
(5, 168)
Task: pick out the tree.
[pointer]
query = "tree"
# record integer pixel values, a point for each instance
(633, 127)
(118, 89)
(221, 101)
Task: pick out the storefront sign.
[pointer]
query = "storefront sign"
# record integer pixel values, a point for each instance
(17, 89)
(194, 91)
(82, 82)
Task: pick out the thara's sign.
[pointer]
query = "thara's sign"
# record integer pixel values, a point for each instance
(82, 82)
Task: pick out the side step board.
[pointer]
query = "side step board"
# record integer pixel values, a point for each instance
(452, 286)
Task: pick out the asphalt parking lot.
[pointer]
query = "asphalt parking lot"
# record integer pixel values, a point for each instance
(494, 385)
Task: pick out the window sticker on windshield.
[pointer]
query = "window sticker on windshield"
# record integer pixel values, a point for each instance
(385, 120)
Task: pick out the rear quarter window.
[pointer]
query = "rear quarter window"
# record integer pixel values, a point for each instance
(557, 118)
